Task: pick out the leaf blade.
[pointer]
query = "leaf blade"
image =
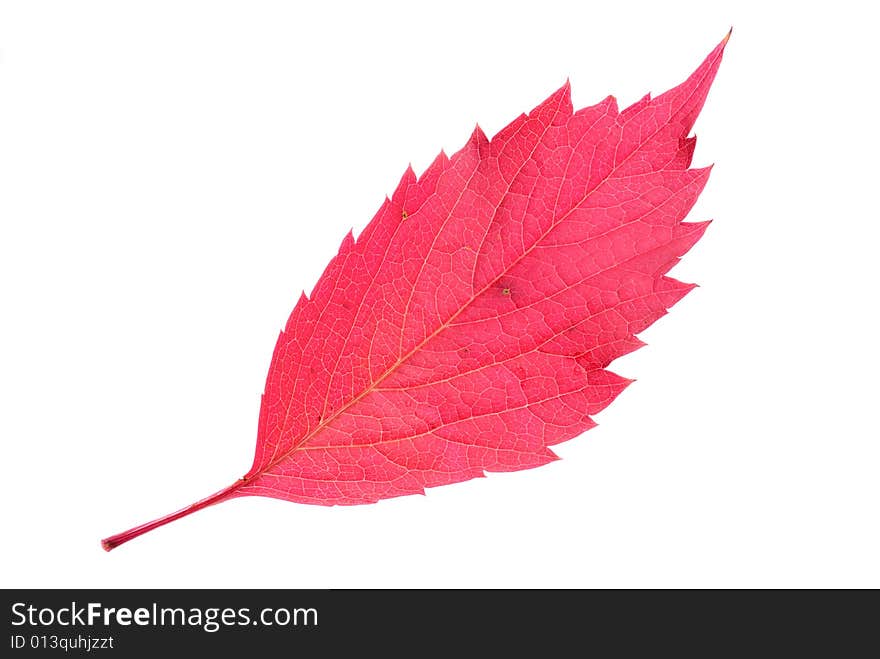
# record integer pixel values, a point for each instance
(470, 243)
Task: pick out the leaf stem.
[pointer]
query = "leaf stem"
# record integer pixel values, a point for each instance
(120, 538)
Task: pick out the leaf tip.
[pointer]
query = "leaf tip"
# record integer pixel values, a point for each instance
(727, 37)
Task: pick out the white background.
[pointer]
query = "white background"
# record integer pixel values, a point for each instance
(172, 174)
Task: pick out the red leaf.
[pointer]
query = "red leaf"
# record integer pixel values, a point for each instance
(469, 326)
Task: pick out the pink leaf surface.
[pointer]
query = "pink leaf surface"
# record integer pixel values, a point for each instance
(469, 327)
